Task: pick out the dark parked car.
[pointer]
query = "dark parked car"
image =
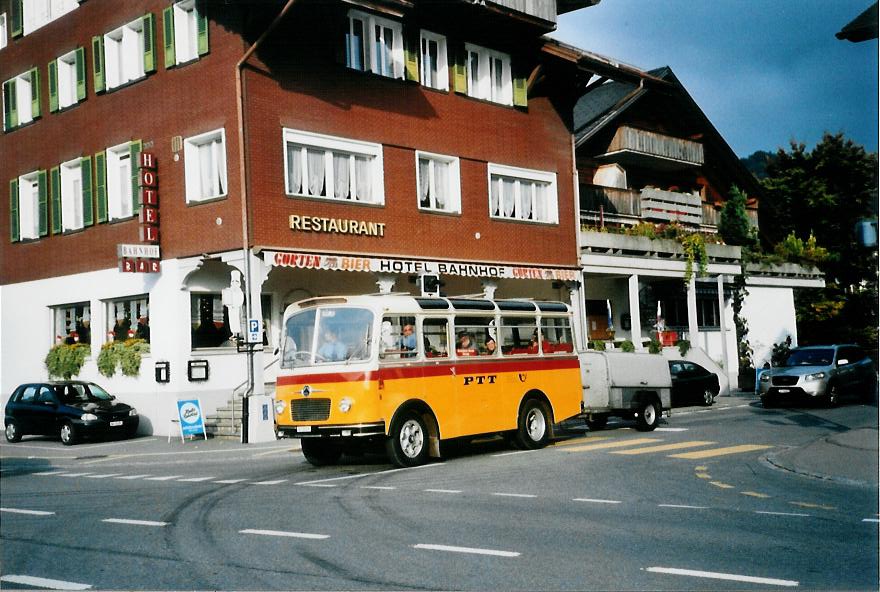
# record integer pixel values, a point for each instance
(823, 373)
(71, 409)
(692, 383)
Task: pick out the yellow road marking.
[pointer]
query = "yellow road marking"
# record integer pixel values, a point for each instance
(721, 451)
(580, 440)
(704, 469)
(814, 506)
(615, 444)
(704, 475)
(664, 447)
(721, 485)
(755, 494)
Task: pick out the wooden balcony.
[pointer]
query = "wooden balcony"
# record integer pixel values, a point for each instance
(627, 206)
(652, 150)
(541, 9)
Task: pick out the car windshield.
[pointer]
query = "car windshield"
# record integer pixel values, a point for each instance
(809, 357)
(326, 336)
(81, 393)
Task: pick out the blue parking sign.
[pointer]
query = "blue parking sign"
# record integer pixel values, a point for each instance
(192, 422)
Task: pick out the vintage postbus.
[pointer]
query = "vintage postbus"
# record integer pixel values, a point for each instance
(412, 371)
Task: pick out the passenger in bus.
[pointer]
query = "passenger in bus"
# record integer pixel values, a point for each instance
(408, 340)
(491, 346)
(332, 350)
(465, 345)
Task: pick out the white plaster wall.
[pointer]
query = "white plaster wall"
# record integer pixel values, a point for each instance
(771, 318)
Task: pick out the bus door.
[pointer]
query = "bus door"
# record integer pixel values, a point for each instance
(478, 374)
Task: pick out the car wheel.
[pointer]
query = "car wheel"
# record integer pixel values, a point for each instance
(832, 399)
(533, 426)
(68, 434)
(407, 443)
(320, 452)
(767, 403)
(708, 397)
(12, 433)
(648, 417)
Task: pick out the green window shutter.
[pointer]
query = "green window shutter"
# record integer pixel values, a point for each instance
(149, 24)
(44, 202)
(55, 191)
(17, 18)
(459, 71)
(80, 73)
(35, 93)
(101, 186)
(135, 152)
(53, 86)
(85, 168)
(168, 36)
(10, 110)
(13, 211)
(411, 56)
(520, 91)
(202, 22)
(98, 62)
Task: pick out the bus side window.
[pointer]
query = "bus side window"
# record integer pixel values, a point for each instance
(556, 336)
(436, 338)
(517, 335)
(399, 338)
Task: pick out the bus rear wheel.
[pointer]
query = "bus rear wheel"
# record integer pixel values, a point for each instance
(533, 426)
(407, 443)
(320, 452)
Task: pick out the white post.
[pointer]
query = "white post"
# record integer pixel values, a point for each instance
(693, 327)
(723, 326)
(579, 327)
(261, 416)
(634, 314)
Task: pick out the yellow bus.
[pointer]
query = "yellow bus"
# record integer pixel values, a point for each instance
(413, 371)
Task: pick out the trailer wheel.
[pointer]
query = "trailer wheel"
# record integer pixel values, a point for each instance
(648, 416)
(320, 452)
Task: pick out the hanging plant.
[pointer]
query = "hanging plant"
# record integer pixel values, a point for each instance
(124, 355)
(684, 346)
(695, 252)
(65, 361)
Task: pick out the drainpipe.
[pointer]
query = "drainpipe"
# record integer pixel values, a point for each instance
(245, 226)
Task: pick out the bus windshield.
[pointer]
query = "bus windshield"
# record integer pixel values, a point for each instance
(330, 335)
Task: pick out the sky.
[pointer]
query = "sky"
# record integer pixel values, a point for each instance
(765, 72)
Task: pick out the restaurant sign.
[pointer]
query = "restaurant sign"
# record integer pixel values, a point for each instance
(414, 266)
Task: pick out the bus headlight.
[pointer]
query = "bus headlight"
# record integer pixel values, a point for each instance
(279, 407)
(345, 405)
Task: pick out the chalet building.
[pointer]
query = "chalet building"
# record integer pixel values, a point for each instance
(165, 159)
(646, 153)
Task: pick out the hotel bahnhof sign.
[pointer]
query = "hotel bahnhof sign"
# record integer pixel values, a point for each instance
(412, 266)
(144, 257)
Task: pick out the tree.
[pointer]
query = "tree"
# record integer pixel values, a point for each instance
(734, 226)
(818, 196)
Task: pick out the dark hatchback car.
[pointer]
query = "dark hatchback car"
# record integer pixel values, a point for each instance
(692, 383)
(71, 409)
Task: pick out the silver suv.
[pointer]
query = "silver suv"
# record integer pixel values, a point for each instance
(821, 373)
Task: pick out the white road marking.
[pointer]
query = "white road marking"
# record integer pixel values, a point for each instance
(28, 512)
(131, 477)
(529, 495)
(104, 476)
(870, 520)
(44, 583)
(230, 481)
(50, 473)
(671, 429)
(343, 478)
(470, 550)
(722, 576)
(166, 478)
(382, 487)
(328, 485)
(195, 479)
(134, 522)
(595, 501)
(276, 482)
(682, 506)
(75, 474)
(280, 533)
(512, 453)
(443, 490)
(783, 514)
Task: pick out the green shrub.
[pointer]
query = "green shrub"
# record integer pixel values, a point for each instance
(125, 355)
(65, 361)
(684, 346)
(598, 345)
(654, 347)
(627, 346)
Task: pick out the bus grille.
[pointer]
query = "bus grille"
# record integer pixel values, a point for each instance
(310, 410)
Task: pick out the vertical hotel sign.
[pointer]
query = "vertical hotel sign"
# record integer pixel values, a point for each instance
(145, 257)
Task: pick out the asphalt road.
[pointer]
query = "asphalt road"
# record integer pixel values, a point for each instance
(693, 505)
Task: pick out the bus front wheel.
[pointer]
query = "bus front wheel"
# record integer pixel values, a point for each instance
(407, 443)
(533, 427)
(320, 452)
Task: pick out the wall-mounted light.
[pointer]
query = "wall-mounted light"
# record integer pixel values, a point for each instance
(197, 370)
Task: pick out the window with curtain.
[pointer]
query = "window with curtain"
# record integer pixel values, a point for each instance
(128, 318)
(124, 54)
(73, 323)
(119, 187)
(521, 194)
(438, 182)
(72, 195)
(29, 206)
(205, 168)
(333, 168)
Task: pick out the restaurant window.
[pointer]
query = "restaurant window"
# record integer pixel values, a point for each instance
(522, 194)
(209, 322)
(438, 183)
(333, 168)
(128, 318)
(73, 323)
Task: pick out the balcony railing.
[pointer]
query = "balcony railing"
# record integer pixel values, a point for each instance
(610, 201)
(630, 139)
(542, 9)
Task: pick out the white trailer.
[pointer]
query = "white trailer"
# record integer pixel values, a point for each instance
(629, 385)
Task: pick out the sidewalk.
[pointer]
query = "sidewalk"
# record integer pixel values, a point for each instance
(850, 457)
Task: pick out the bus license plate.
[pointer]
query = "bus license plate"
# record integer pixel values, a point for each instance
(114, 424)
(303, 429)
